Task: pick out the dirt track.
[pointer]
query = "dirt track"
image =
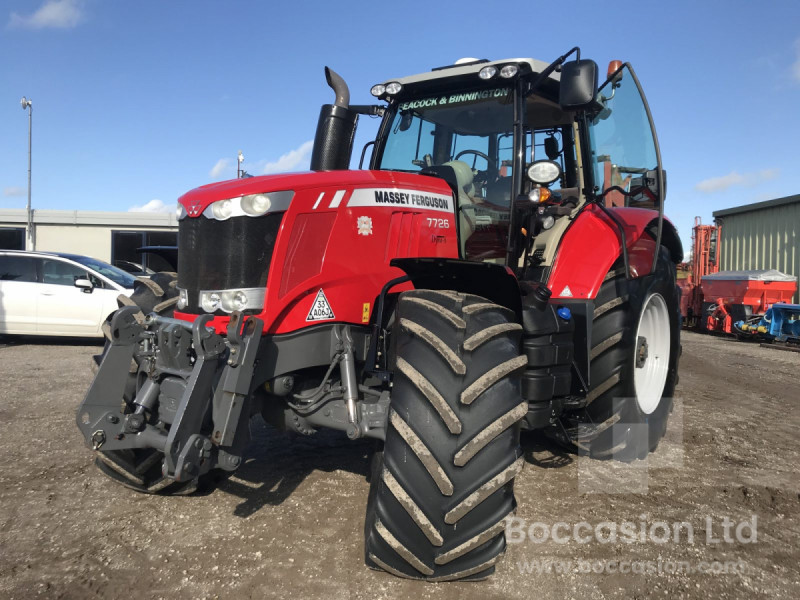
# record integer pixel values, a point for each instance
(290, 522)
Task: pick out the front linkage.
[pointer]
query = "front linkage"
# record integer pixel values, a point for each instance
(181, 367)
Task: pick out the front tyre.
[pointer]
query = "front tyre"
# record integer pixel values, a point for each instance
(634, 365)
(442, 487)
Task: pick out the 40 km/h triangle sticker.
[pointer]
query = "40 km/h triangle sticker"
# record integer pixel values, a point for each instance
(320, 309)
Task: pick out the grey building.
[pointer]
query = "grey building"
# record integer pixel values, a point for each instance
(764, 235)
(109, 236)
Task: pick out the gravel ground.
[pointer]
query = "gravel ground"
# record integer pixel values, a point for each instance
(290, 522)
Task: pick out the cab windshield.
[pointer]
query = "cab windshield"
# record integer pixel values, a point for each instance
(471, 132)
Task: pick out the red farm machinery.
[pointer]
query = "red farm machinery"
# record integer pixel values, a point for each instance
(502, 264)
(731, 302)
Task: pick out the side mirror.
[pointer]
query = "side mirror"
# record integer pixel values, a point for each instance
(551, 148)
(406, 119)
(646, 188)
(85, 285)
(578, 84)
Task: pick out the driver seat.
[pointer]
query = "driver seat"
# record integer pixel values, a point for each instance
(466, 192)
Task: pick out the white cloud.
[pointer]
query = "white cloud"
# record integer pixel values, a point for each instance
(291, 160)
(14, 191)
(218, 169)
(720, 184)
(154, 206)
(53, 14)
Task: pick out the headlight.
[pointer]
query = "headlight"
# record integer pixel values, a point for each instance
(539, 195)
(183, 298)
(393, 88)
(509, 71)
(239, 301)
(256, 204)
(252, 205)
(210, 301)
(231, 300)
(488, 72)
(222, 209)
(544, 172)
(180, 212)
(378, 90)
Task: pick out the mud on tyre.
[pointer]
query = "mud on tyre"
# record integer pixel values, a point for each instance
(443, 485)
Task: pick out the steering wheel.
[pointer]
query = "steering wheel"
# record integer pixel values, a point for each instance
(476, 153)
(481, 177)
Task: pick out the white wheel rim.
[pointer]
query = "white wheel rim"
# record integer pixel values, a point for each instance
(650, 376)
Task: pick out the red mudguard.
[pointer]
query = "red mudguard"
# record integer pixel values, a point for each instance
(591, 245)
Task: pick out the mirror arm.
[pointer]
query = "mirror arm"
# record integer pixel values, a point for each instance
(531, 86)
(373, 110)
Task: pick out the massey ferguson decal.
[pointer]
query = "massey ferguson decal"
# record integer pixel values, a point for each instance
(193, 208)
(396, 197)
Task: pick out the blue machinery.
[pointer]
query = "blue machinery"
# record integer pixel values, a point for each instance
(781, 323)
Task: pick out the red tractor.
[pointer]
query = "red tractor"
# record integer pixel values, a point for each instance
(503, 264)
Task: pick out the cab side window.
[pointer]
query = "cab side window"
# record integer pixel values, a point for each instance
(623, 148)
(17, 268)
(61, 273)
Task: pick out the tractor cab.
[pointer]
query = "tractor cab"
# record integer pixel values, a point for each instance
(460, 123)
(524, 146)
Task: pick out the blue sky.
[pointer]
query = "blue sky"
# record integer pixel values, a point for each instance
(137, 102)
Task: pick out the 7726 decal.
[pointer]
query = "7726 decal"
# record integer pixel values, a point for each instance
(438, 223)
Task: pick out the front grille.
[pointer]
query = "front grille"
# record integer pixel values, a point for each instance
(223, 255)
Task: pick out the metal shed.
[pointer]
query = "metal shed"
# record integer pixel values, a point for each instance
(764, 235)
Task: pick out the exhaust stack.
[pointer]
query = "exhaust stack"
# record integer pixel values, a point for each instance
(336, 129)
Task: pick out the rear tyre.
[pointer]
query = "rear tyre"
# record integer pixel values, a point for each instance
(442, 487)
(140, 469)
(634, 365)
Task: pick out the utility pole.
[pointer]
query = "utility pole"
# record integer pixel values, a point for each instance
(239, 161)
(30, 243)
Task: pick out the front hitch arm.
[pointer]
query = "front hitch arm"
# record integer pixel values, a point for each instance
(100, 416)
(104, 418)
(187, 452)
(108, 423)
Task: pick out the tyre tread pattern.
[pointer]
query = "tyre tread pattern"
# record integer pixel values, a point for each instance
(444, 486)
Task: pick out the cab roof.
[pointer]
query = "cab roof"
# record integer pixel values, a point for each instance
(526, 65)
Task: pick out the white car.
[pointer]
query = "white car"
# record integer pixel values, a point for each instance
(49, 293)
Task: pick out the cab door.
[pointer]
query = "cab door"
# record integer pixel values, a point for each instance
(624, 145)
